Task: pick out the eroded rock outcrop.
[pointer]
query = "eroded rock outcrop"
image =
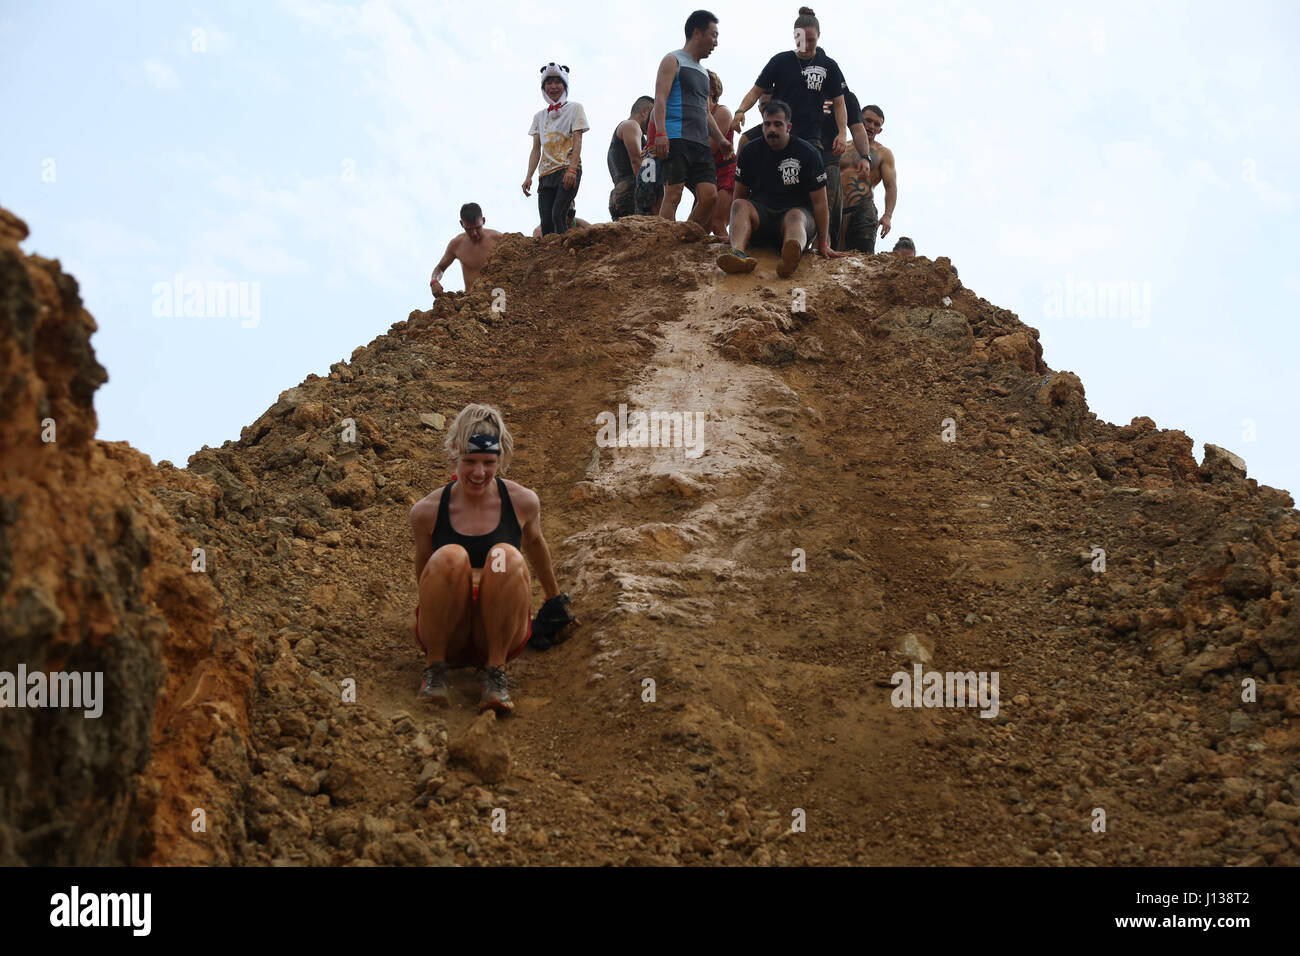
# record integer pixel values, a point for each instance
(95, 579)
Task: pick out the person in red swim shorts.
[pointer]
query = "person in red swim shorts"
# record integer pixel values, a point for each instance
(726, 166)
(471, 537)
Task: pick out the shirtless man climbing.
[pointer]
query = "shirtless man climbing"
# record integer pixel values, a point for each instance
(473, 247)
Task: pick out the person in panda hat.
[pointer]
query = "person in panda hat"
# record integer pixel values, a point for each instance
(557, 150)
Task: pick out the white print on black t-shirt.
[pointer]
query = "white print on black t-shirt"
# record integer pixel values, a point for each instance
(789, 171)
(815, 75)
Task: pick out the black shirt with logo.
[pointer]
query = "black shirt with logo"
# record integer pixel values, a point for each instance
(805, 85)
(781, 178)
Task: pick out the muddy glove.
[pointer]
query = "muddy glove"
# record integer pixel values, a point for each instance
(553, 618)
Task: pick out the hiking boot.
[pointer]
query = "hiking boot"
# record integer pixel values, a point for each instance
(733, 261)
(494, 693)
(791, 251)
(434, 686)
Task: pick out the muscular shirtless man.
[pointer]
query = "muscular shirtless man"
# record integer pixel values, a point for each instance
(859, 225)
(472, 248)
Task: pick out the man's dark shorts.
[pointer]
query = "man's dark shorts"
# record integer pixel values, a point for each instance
(689, 162)
(769, 232)
(622, 198)
(860, 231)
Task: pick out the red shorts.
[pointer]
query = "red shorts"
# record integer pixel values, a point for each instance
(474, 656)
(727, 177)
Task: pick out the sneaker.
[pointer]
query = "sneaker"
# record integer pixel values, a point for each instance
(734, 261)
(790, 254)
(494, 693)
(434, 687)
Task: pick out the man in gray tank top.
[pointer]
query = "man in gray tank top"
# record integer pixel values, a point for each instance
(683, 125)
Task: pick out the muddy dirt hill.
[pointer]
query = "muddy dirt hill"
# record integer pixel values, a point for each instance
(889, 479)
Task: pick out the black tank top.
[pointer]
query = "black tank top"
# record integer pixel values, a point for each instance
(620, 167)
(507, 530)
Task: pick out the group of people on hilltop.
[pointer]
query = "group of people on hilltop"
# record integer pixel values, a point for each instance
(803, 177)
(786, 188)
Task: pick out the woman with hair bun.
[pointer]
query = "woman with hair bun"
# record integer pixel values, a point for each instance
(471, 537)
(804, 77)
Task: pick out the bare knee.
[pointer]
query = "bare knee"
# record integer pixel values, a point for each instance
(449, 563)
(504, 562)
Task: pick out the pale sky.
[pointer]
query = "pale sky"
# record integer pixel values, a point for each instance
(317, 154)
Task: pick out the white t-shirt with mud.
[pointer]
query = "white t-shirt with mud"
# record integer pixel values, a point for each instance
(556, 128)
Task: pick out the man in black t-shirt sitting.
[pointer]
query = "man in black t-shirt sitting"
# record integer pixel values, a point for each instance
(780, 197)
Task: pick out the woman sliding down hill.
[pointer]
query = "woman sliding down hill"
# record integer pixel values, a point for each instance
(473, 582)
